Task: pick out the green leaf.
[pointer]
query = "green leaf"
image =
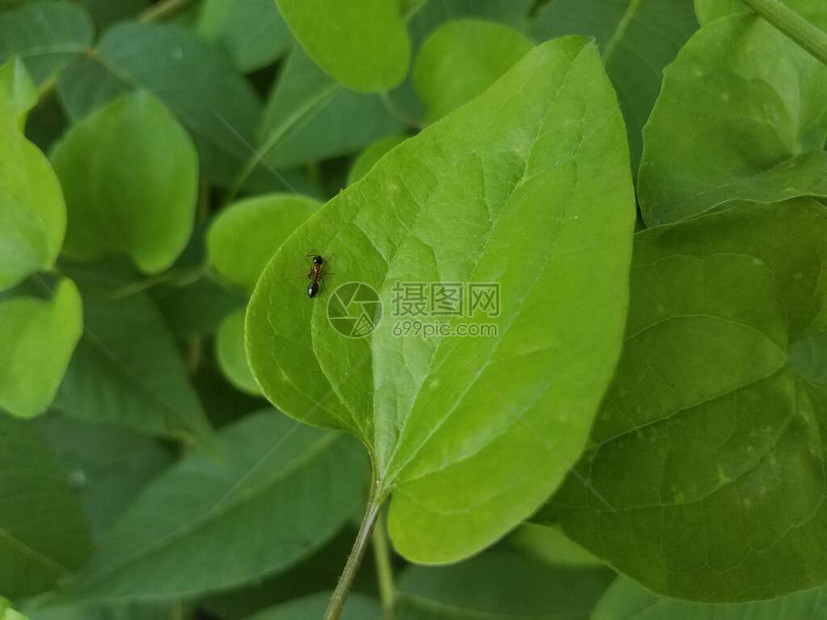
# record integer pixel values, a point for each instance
(194, 81)
(127, 369)
(107, 12)
(637, 38)
(32, 211)
(46, 35)
(251, 31)
(105, 465)
(232, 355)
(499, 584)
(710, 443)
(628, 600)
(748, 134)
(130, 175)
(309, 117)
(179, 539)
(551, 545)
(244, 236)
(428, 15)
(461, 59)
(547, 139)
(363, 46)
(7, 613)
(43, 535)
(372, 154)
(37, 337)
(358, 607)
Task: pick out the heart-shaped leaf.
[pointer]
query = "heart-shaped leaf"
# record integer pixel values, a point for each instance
(461, 59)
(710, 442)
(212, 534)
(363, 45)
(37, 337)
(43, 534)
(130, 175)
(45, 35)
(755, 130)
(545, 143)
(193, 80)
(32, 211)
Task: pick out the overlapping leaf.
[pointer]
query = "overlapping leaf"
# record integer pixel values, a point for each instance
(130, 175)
(710, 443)
(756, 128)
(546, 139)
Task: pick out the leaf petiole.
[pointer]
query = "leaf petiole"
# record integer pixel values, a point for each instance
(805, 34)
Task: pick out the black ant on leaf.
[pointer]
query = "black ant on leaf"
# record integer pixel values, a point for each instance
(316, 274)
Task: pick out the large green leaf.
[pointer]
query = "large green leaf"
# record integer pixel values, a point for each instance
(637, 38)
(309, 117)
(252, 31)
(37, 337)
(755, 128)
(130, 175)
(194, 80)
(710, 443)
(502, 585)
(358, 607)
(628, 600)
(105, 465)
(545, 139)
(461, 59)
(363, 45)
(185, 534)
(245, 235)
(32, 211)
(45, 35)
(127, 369)
(43, 535)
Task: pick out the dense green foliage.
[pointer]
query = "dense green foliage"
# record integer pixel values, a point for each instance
(211, 385)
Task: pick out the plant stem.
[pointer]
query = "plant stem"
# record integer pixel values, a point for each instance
(384, 568)
(354, 560)
(165, 8)
(812, 39)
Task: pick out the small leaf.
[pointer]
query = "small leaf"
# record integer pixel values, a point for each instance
(748, 134)
(45, 35)
(630, 601)
(462, 468)
(179, 538)
(232, 355)
(500, 584)
(372, 154)
(37, 337)
(251, 31)
(363, 46)
(357, 607)
(461, 59)
(130, 175)
(32, 211)
(244, 236)
(309, 117)
(637, 40)
(189, 76)
(710, 443)
(127, 369)
(43, 535)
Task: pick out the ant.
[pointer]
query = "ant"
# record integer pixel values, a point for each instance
(316, 275)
